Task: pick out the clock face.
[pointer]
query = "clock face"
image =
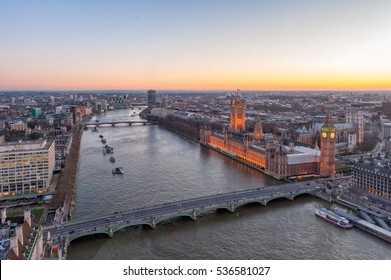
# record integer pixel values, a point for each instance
(332, 135)
(324, 134)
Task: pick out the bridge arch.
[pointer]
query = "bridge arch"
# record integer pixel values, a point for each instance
(73, 237)
(243, 203)
(128, 225)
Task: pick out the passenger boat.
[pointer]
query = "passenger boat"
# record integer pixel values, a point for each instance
(333, 218)
(103, 141)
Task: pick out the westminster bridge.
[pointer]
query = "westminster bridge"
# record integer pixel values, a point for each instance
(153, 215)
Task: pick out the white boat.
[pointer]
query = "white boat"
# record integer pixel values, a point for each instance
(333, 218)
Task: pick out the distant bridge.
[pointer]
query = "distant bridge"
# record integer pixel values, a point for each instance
(113, 123)
(153, 215)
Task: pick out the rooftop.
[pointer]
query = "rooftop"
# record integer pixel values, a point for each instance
(25, 146)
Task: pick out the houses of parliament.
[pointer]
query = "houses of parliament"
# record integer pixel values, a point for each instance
(279, 158)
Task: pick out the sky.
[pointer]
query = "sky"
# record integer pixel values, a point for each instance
(195, 44)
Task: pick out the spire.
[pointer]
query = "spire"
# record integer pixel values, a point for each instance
(258, 131)
(328, 125)
(329, 119)
(237, 113)
(316, 145)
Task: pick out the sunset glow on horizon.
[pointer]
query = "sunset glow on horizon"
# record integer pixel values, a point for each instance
(195, 45)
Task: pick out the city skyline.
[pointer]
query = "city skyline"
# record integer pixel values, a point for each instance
(198, 45)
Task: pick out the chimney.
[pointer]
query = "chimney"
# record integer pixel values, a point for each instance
(15, 245)
(3, 215)
(27, 217)
(19, 233)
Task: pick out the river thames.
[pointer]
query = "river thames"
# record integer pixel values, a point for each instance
(161, 166)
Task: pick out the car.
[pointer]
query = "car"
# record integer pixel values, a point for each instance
(72, 231)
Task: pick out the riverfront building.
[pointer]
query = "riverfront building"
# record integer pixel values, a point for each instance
(328, 141)
(274, 158)
(373, 176)
(271, 156)
(237, 114)
(26, 167)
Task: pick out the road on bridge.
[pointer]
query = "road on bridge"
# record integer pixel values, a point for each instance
(174, 209)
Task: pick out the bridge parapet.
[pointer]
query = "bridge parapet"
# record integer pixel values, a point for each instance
(191, 208)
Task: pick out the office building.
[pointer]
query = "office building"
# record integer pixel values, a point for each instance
(373, 177)
(151, 98)
(26, 167)
(36, 112)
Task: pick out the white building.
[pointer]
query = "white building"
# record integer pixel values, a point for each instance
(59, 110)
(386, 128)
(26, 167)
(357, 118)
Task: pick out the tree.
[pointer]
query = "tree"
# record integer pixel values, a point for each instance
(31, 124)
(35, 135)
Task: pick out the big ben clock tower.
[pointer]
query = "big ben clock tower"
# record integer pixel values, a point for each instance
(327, 156)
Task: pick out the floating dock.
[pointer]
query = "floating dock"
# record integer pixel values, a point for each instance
(366, 226)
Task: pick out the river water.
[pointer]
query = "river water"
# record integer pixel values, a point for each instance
(161, 166)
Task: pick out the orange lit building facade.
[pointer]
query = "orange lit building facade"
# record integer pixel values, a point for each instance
(277, 160)
(328, 143)
(241, 148)
(237, 114)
